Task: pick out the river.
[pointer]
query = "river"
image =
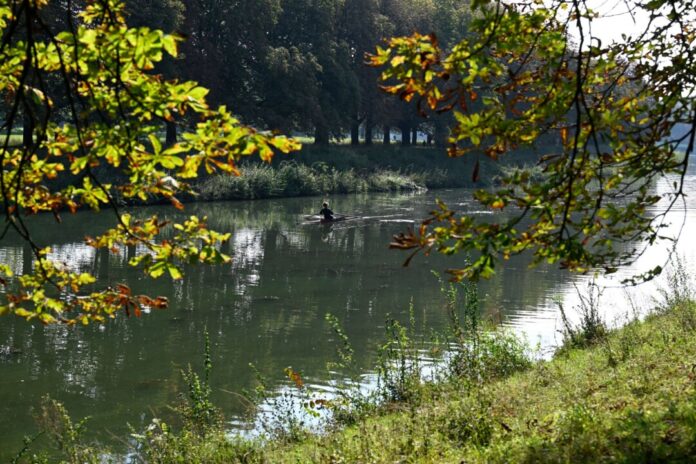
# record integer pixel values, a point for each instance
(267, 307)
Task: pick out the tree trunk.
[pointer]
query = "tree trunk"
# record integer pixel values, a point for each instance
(441, 133)
(355, 132)
(387, 135)
(171, 134)
(321, 135)
(368, 131)
(405, 135)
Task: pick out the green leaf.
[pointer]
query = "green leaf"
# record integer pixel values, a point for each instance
(174, 272)
(169, 44)
(156, 144)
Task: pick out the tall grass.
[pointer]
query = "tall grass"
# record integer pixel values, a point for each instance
(479, 351)
(290, 179)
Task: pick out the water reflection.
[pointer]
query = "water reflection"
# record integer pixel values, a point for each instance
(266, 308)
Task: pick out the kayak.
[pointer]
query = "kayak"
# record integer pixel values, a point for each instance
(320, 220)
(335, 219)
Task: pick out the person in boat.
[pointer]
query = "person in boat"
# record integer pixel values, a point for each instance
(326, 212)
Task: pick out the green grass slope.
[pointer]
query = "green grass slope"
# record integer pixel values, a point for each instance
(629, 398)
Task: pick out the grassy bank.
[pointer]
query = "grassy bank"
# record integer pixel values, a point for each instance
(630, 398)
(627, 395)
(427, 164)
(622, 396)
(345, 169)
(291, 179)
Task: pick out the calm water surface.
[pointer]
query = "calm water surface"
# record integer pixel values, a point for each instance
(266, 308)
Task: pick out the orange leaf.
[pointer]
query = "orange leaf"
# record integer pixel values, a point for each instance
(295, 377)
(123, 289)
(177, 204)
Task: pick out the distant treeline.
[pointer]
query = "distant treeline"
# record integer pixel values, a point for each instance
(297, 66)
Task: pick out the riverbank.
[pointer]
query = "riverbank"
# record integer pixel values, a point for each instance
(625, 395)
(627, 398)
(339, 169)
(333, 169)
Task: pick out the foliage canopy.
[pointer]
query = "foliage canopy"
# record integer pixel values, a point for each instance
(601, 116)
(85, 87)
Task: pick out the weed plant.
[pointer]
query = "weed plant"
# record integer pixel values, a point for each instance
(399, 368)
(201, 420)
(66, 438)
(200, 416)
(591, 327)
(351, 403)
(478, 351)
(679, 291)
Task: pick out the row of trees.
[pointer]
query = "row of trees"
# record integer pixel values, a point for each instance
(299, 65)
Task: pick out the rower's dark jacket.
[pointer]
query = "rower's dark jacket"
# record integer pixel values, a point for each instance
(327, 213)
